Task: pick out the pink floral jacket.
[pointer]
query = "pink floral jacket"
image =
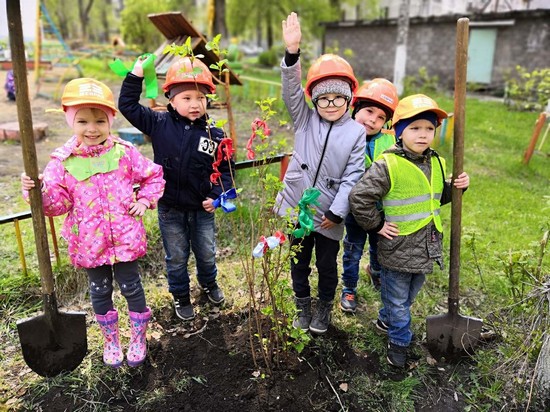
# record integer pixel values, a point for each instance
(95, 187)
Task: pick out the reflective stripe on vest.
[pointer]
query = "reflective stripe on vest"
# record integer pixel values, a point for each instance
(382, 143)
(413, 201)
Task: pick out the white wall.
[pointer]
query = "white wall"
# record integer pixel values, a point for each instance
(425, 8)
(28, 17)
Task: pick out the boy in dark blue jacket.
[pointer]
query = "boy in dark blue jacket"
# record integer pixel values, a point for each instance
(185, 146)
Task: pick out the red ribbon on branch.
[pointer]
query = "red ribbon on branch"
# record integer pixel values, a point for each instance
(256, 124)
(225, 152)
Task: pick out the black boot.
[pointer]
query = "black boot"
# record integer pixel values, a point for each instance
(304, 313)
(321, 319)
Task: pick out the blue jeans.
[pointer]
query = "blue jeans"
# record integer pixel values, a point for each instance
(354, 244)
(399, 289)
(183, 231)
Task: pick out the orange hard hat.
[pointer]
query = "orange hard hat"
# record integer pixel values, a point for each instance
(412, 105)
(330, 65)
(87, 91)
(184, 70)
(380, 91)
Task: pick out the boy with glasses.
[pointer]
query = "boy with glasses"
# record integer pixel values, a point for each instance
(327, 160)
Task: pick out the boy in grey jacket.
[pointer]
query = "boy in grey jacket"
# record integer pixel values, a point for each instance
(328, 158)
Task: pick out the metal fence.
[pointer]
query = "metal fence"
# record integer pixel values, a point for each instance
(17, 217)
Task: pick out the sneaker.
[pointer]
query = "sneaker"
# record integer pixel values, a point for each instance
(184, 308)
(397, 355)
(321, 319)
(374, 278)
(214, 293)
(383, 327)
(348, 302)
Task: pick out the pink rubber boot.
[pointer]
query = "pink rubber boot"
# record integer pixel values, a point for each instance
(112, 353)
(137, 350)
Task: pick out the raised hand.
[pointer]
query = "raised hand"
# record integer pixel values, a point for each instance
(292, 34)
(137, 70)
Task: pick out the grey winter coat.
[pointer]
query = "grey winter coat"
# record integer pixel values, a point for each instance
(414, 253)
(339, 169)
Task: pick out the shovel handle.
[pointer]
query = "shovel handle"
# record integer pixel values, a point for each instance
(461, 64)
(29, 150)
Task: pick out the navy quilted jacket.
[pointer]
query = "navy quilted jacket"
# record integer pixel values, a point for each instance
(183, 148)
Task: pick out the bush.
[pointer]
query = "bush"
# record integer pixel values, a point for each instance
(528, 90)
(422, 82)
(269, 58)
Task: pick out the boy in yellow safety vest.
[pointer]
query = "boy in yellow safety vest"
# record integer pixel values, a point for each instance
(409, 180)
(373, 106)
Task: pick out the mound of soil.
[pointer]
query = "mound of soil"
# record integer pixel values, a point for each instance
(214, 369)
(207, 365)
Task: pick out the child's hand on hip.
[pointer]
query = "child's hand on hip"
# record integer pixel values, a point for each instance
(389, 230)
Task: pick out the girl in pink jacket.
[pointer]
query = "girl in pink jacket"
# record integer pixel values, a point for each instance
(91, 178)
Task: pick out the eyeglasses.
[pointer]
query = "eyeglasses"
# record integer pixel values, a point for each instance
(338, 101)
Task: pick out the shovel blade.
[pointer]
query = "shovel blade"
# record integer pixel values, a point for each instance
(53, 344)
(451, 334)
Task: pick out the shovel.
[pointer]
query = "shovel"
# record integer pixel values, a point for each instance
(453, 333)
(53, 342)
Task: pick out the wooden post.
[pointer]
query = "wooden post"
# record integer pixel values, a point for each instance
(24, 115)
(231, 120)
(536, 132)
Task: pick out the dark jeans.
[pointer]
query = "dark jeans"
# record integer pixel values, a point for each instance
(127, 276)
(399, 289)
(354, 244)
(183, 232)
(326, 252)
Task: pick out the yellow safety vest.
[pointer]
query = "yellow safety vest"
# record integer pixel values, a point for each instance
(382, 143)
(413, 201)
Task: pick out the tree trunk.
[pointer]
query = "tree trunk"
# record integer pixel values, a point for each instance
(269, 34)
(259, 32)
(400, 64)
(62, 20)
(106, 37)
(84, 16)
(219, 20)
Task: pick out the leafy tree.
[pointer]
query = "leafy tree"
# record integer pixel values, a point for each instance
(263, 19)
(136, 27)
(219, 25)
(62, 14)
